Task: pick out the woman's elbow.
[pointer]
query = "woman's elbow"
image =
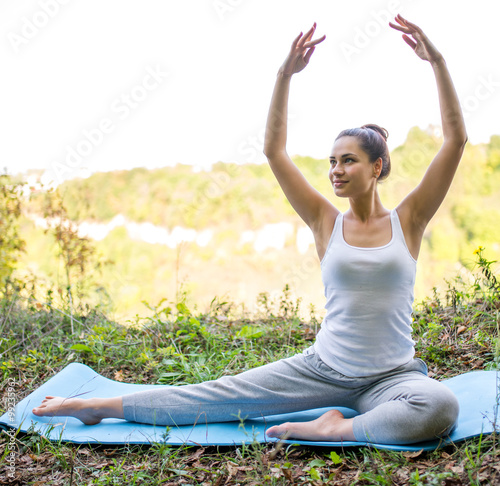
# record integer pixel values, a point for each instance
(270, 151)
(458, 139)
(267, 151)
(463, 139)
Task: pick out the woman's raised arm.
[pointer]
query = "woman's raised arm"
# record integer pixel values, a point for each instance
(422, 203)
(307, 202)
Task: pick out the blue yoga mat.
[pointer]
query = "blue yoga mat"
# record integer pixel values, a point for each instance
(477, 392)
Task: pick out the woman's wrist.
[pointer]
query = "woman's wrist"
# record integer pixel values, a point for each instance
(283, 74)
(438, 61)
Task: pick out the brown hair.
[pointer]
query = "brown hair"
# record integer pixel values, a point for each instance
(373, 140)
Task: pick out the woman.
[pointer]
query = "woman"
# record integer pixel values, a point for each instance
(363, 356)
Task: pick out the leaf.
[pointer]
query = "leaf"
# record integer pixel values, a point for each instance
(119, 375)
(169, 374)
(412, 455)
(249, 332)
(336, 459)
(182, 308)
(314, 474)
(81, 348)
(179, 472)
(196, 455)
(317, 463)
(168, 362)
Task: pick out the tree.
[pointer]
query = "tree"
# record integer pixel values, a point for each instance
(11, 243)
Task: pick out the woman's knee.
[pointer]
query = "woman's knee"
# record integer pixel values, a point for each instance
(443, 410)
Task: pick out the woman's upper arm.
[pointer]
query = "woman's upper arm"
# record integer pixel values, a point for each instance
(309, 204)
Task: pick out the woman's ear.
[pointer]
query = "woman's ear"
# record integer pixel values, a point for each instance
(377, 167)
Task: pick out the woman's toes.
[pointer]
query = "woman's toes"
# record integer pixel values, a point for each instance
(282, 431)
(278, 431)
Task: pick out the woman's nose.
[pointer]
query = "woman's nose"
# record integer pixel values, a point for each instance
(338, 169)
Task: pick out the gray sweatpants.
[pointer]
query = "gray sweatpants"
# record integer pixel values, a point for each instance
(399, 407)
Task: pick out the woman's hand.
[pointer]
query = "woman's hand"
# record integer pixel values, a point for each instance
(301, 52)
(418, 41)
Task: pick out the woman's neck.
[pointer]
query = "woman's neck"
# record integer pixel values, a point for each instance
(366, 207)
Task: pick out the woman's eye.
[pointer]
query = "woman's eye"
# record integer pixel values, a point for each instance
(349, 160)
(332, 162)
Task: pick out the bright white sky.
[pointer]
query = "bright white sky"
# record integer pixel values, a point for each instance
(71, 69)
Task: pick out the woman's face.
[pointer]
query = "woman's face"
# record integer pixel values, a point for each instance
(351, 172)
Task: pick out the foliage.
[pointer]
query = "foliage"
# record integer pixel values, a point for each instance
(231, 199)
(491, 282)
(11, 242)
(77, 255)
(249, 194)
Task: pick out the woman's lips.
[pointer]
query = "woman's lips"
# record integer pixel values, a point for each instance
(339, 183)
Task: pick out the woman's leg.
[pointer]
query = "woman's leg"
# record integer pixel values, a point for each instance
(405, 408)
(287, 385)
(402, 407)
(297, 383)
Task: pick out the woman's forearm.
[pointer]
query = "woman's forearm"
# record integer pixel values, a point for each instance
(451, 113)
(300, 53)
(276, 127)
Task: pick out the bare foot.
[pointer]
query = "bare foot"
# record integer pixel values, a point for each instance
(82, 409)
(330, 427)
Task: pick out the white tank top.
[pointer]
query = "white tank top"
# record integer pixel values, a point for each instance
(369, 298)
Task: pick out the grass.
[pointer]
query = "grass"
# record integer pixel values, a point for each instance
(455, 334)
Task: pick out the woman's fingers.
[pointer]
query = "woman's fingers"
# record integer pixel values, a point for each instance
(308, 55)
(406, 26)
(401, 27)
(397, 27)
(304, 41)
(409, 41)
(308, 35)
(410, 24)
(314, 42)
(296, 40)
(310, 32)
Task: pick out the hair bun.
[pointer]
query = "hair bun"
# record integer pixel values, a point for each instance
(382, 131)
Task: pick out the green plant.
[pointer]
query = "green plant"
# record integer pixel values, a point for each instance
(11, 242)
(489, 278)
(77, 254)
(428, 478)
